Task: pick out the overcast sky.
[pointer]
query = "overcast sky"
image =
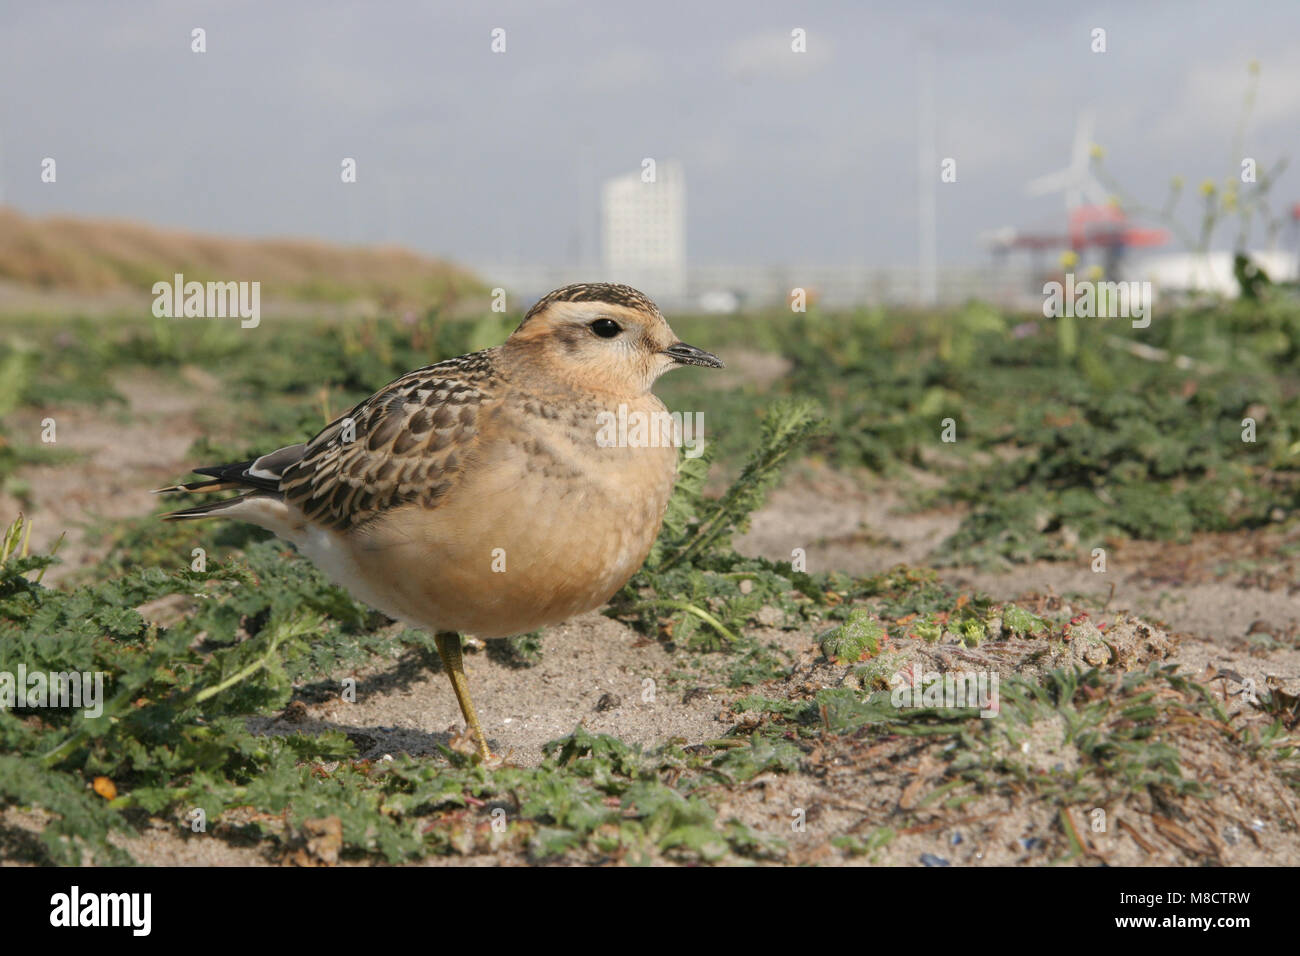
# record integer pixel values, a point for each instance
(789, 158)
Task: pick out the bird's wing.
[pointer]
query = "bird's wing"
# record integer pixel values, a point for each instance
(406, 443)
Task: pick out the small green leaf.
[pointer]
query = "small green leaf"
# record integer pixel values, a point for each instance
(857, 637)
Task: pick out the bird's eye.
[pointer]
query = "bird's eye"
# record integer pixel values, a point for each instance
(606, 328)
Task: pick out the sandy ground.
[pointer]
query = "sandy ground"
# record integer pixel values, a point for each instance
(595, 672)
(122, 452)
(855, 524)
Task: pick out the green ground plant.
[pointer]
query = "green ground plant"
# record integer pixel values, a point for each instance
(1133, 433)
(172, 734)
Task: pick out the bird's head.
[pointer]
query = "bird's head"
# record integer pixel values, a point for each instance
(602, 336)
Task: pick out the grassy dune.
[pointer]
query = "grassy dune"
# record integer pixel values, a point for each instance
(106, 257)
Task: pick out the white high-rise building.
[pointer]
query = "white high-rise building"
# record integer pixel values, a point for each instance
(643, 231)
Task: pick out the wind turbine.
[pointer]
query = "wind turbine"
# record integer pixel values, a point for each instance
(1076, 180)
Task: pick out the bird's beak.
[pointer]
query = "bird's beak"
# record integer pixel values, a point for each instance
(684, 354)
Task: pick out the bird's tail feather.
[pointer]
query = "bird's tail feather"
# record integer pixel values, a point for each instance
(207, 510)
(243, 475)
(258, 478)
(197, 487)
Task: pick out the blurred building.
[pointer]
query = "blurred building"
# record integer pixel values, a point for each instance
(1212, 272)
(643, 231)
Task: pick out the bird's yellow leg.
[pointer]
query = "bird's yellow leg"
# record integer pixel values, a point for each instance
(452, 662)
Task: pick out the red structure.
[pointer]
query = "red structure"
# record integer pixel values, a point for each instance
(1103, 227)
(1107, 227)
(1089, 226)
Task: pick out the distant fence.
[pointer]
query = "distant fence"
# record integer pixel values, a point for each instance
(766, 286)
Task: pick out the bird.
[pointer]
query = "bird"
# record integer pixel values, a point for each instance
(479, 495)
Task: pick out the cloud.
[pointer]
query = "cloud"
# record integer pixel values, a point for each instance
(1214, 94)
(620, 70)
(769, 54)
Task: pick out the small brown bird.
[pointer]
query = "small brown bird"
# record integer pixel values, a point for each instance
(482, 495)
